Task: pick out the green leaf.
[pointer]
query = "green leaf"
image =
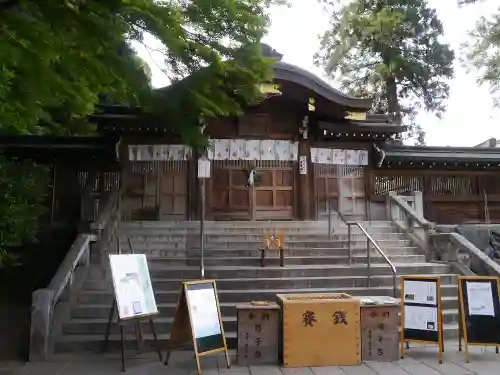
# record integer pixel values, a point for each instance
(483, 53)
(389, 51)
(63, 53)
(58, 56)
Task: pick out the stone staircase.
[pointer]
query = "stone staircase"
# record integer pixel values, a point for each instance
(313, 263)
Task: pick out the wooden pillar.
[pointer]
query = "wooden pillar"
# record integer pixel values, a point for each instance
(160, 170)
(313, 189)
(304, 185)
(368, 174)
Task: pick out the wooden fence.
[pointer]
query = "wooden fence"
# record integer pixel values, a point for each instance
(449, 196)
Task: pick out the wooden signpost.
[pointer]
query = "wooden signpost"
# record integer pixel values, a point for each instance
(198, 320)
(479, 309)
(421, 312)
(134, 298)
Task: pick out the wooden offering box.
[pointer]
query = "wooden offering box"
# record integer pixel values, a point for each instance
(379, 329)
(320, 329)
(258, 333)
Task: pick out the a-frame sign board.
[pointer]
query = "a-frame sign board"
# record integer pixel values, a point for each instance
(134, 298)
(198, 321)
(421, 312)
(479, 310)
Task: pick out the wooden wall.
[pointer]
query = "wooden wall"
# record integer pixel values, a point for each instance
(78, 186)
(274, 197)
(450, 197)
(276, 118)
(156, 190)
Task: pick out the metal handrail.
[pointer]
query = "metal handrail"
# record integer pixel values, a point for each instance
(368, 255)
(329, 200)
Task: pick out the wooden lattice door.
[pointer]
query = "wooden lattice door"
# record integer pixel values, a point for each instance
(173, 193)
(229, 197)
(271, 197)
(140, 197)
(341, 186)
(352, 192)
(156, 191)
(274, 192)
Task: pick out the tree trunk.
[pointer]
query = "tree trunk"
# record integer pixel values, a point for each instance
(392, 99)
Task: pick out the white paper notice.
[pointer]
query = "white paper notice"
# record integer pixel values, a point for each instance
(132, 284)
(480, 298)
(420, 291)
(203, 168)
(303, 164)
(423, 318)
(204, 313)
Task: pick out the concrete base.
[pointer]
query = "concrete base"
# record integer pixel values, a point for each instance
(418, 361)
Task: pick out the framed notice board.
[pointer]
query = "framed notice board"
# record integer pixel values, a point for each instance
(479, 304)
(421, 313)
(198, 320)
(134, 298)
(132, 285)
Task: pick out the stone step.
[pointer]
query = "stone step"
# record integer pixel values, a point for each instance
(150, 245)
(238, 237)
(355, 239)
(101, 311)
(319, 234)
(314, 263)
(298, 252)
(273, 260)
(93, 343)
(163, 324)
(101, 296)
(242, 236)
(247, 225)
(169, 250)
(275, 283)
(225, 272)
(258, 232)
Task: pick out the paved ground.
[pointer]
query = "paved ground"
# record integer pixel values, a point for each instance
(419, 361)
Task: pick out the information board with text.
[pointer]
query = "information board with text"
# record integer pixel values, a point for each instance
(421, 314)
(198, 320)
(132, 286)
(205, 321)
(479, 309)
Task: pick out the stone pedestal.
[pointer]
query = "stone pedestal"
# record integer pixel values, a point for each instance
(258, 334)
(379, 329)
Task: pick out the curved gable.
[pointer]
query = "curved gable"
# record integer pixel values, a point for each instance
(292, 73)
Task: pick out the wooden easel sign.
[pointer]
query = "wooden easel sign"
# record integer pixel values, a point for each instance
(198, 320)
(421, 313)
(132, 284)
(479, 308)
(134, 297)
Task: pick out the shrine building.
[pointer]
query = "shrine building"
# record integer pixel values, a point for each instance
(307, 145)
